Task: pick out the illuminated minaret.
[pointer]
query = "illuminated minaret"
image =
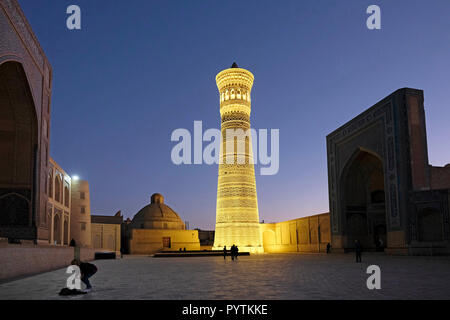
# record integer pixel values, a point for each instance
(237, 217)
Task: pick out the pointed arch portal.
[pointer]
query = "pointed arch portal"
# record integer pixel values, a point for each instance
(364, 200)
(18, 147)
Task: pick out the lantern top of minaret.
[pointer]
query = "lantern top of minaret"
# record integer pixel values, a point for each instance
(234, 77)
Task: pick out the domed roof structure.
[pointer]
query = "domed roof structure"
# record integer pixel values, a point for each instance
(157, 215)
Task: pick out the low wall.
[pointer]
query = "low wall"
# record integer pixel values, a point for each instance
(22, 260)
(148, 241)
(308, 234)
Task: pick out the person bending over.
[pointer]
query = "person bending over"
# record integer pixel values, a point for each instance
(87, 271)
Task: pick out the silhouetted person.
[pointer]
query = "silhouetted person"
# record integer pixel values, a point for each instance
(233, 251)
(224, 252)
(72, 243)
(381, 244)
(358, 250)
(184, 249)
(328, 247)
(87, 271)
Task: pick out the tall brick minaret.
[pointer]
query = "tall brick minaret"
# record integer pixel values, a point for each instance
(237, 217)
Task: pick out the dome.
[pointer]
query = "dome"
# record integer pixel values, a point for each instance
(157, 215)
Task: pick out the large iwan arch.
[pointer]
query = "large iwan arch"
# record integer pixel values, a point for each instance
(18, 147)
(363, 200)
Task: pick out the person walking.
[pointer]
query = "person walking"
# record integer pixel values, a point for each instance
(358, 250)
(233, 250)
(328, 247)
(224, 252)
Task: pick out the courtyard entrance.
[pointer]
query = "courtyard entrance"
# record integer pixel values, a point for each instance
(364, 200)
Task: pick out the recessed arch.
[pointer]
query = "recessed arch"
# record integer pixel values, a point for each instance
(57, 228)
(58, 188)
(18, 146)
(363, 200)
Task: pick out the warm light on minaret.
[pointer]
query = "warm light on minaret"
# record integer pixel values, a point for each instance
(237, 217)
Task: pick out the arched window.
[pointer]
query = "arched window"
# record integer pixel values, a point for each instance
(233, 95)
(66, 232)
(58, 188)
(66, 196)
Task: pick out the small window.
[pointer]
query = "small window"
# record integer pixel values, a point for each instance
(166, 242)
(83, 226)
(82, 195)
(83, 209)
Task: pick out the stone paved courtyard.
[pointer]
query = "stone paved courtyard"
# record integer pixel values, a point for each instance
(283, 276)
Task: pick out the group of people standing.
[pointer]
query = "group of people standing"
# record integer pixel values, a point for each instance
(234, 252)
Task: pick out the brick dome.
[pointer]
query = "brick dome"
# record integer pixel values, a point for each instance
(157, 215)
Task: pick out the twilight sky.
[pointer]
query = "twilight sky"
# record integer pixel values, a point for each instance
(140, 69)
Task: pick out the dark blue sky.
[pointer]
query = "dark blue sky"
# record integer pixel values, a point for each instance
(140, 69)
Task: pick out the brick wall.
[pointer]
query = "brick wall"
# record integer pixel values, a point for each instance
(440, 177)
(22, 260)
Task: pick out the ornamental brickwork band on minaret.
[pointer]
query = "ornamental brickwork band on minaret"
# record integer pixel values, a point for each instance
(237, 217)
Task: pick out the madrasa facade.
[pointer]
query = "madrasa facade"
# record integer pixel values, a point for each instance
(382, 188)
